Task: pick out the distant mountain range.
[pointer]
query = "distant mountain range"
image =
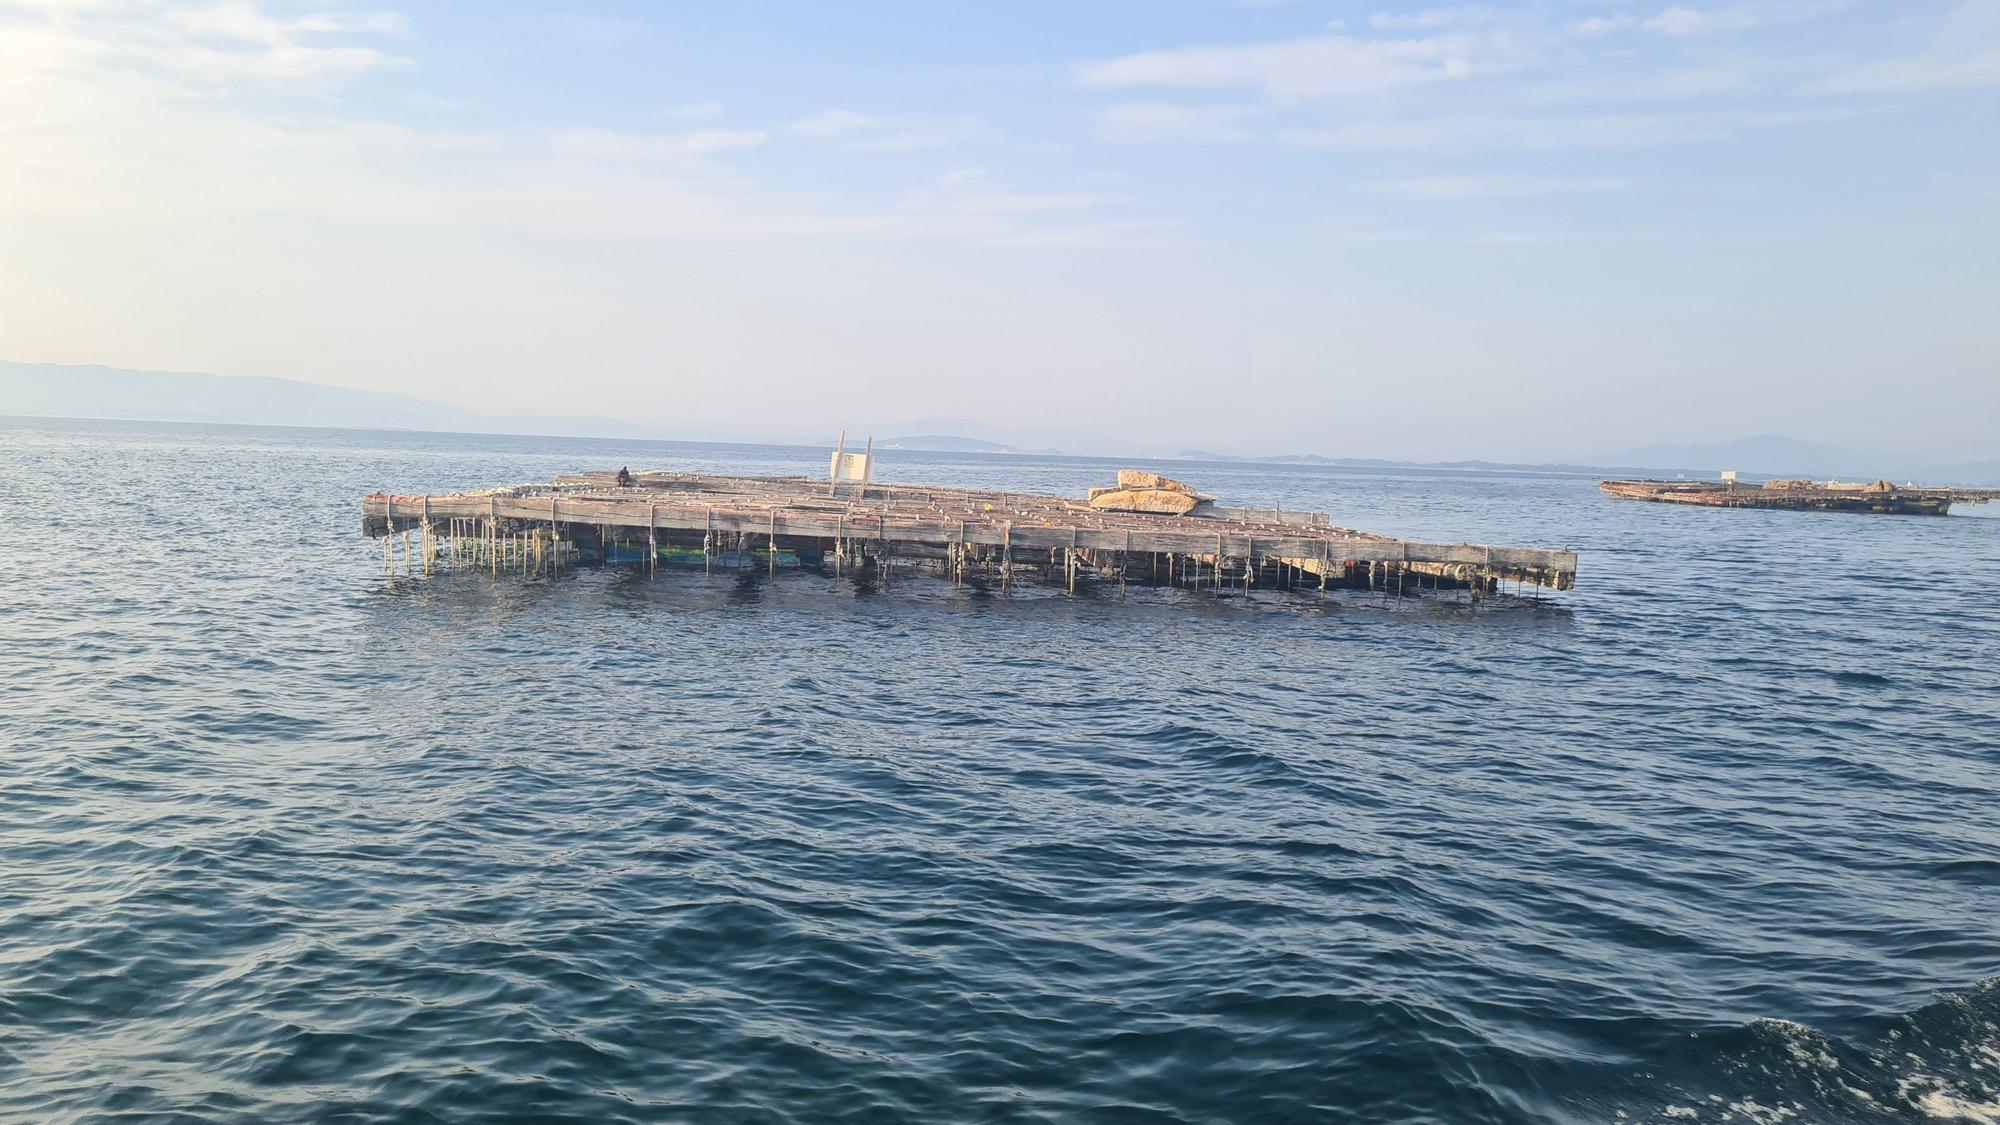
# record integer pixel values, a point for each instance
(1390, 463)
(90, 391)
(946, 443)
(965, 435)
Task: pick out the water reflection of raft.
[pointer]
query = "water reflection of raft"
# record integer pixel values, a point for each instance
(1880, 497)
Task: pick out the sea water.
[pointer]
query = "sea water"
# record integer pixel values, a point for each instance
(284, 837)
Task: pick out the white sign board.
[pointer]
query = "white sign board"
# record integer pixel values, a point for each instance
(852, 468)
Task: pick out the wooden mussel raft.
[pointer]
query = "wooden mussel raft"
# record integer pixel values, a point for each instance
(962, 535)
(1880, 497)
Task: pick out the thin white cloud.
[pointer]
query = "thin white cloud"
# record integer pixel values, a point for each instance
(1367, 229)
(1019, 203)
(1915, 74)
(1683, 21)
(858, 132)
(834, 123)
(1521, 238)
(1638, 84)
(1149, 123)
(214, 43)
(974, 191)
(1495, 186)
(247, 22)
(907, 140)
(1131, 234)
(47, 7)
(1692, 21)
(1592, 26)
(1325, 66)
(1430, 19)
(1495, 133)
(618, 145)
(1964, 55)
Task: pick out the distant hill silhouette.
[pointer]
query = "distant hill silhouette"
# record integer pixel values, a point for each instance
(91, 391)
(949, 443)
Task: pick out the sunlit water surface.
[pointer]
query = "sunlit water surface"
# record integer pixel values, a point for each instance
(1714, 837)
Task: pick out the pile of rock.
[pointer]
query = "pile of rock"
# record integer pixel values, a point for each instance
(1141, 491)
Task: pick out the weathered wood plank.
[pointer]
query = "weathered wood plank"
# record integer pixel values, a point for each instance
(919, 520)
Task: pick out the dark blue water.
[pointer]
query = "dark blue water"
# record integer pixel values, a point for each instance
(1714, 837)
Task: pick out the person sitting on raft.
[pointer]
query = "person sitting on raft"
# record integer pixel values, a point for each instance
(624, 477)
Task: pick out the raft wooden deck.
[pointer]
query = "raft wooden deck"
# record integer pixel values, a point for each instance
(975, 534)
(1904, 500)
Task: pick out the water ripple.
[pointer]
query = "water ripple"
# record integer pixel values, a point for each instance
(284, 838)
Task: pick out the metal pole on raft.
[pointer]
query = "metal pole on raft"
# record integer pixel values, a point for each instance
(1006, 554)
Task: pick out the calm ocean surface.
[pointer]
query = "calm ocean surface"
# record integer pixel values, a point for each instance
(1713, 838)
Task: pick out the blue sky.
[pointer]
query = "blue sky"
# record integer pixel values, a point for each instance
(1525, 230)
